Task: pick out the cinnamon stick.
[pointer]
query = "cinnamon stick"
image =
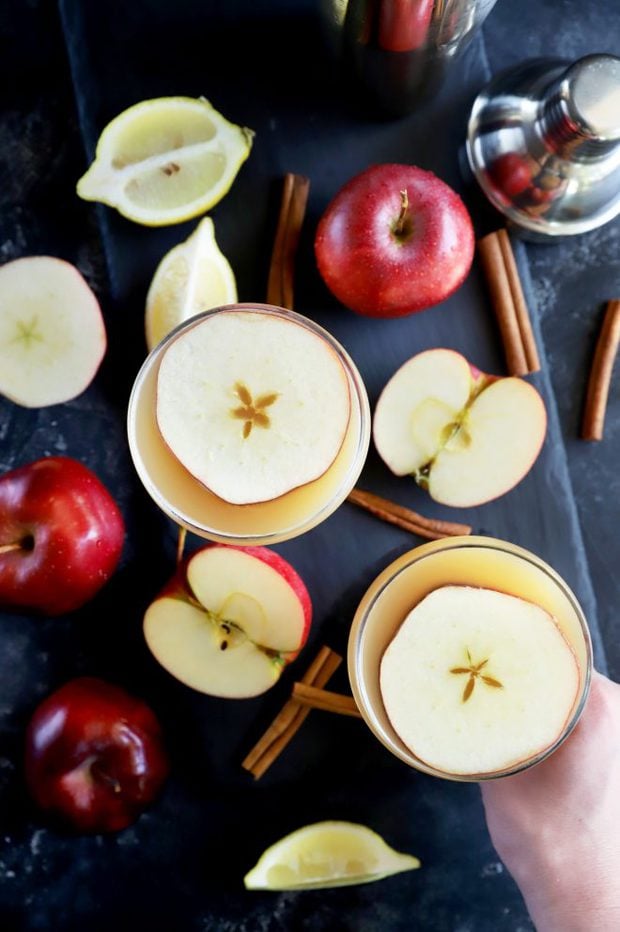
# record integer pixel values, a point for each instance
(523, 315)
(405, 518)
(502, 277)
(291, 717)
(600, 374)
(327, 701)
(282, 268)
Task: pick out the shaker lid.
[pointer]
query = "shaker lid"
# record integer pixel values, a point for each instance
(543, 142)
(593, 93)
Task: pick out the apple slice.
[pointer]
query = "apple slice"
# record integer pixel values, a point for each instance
(477, 681)
(230, 620)
(465, 436)
(52, 335)
(252, 405)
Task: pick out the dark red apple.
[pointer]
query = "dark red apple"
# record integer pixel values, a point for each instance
(94, 756)
(61, 535)
(394, 240)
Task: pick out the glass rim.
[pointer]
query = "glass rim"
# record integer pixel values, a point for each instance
(376, 589)
(360, 409)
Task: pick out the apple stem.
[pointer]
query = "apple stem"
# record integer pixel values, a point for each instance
(402, 217)
(16, 545)
(181, 544)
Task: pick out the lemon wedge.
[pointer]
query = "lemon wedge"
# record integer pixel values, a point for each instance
(192, 277)
(166, 160)
(327, 854)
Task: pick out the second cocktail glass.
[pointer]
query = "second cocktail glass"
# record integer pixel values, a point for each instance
(481, 562)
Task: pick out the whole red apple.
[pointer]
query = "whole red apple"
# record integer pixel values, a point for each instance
(229, 620)
(94, 756)
(394, 240)
(61, 535)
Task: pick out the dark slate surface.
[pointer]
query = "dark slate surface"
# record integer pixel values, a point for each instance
(180, 866)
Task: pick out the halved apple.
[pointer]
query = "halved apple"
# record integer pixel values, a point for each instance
(52, 335)
(476, 681)
(252, 405)
(464, 436)
(229, 620)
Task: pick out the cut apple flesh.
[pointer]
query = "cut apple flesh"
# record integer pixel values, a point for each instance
(494, 446)
(252, 405)
(249, 593)
(465, 437)
(188, 644)
(428, 392)
(52, 335)
(477, 681)
(231, 630)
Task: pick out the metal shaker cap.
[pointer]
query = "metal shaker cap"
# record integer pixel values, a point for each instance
(592, 89)
(544, 143)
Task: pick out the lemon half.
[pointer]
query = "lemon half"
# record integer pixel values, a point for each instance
(166, 160)
(327, 854)
(192, 277)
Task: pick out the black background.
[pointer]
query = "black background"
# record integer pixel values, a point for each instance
(264, 65)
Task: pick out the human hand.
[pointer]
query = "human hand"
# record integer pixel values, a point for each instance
(556, 826)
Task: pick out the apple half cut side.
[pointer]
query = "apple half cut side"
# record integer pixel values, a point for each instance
(464, 436)
(477, 681)
(52, 335)
(230, 620)
(252, 405)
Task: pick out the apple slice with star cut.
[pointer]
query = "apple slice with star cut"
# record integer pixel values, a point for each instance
(464, 436)
(252, 405)
(230, 620)
(477, 681)
(52, 335)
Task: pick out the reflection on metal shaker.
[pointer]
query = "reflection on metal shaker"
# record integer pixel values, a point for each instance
(398, 51)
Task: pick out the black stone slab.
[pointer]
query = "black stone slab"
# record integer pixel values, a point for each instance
(180, 866)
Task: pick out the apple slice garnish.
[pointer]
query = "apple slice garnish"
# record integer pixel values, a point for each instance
(477, 681)
(252, 405)
(464, 436)
(52, 335)
(230, 620)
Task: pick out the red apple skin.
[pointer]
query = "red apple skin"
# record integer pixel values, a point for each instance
(71, 531)
(178, 586)
(94, 756)
(379, 272)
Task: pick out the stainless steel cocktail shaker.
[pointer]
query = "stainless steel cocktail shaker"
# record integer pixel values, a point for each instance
(544, 143)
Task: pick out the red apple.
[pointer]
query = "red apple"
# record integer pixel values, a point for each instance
(229, 620)
(464, 436)
(61, 535)
(394, 240)
(94, 756)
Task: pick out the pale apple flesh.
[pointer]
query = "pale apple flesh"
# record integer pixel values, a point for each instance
(464, 436)
(52, 335)
(230, 621)
(477, 681)
(252, 405)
